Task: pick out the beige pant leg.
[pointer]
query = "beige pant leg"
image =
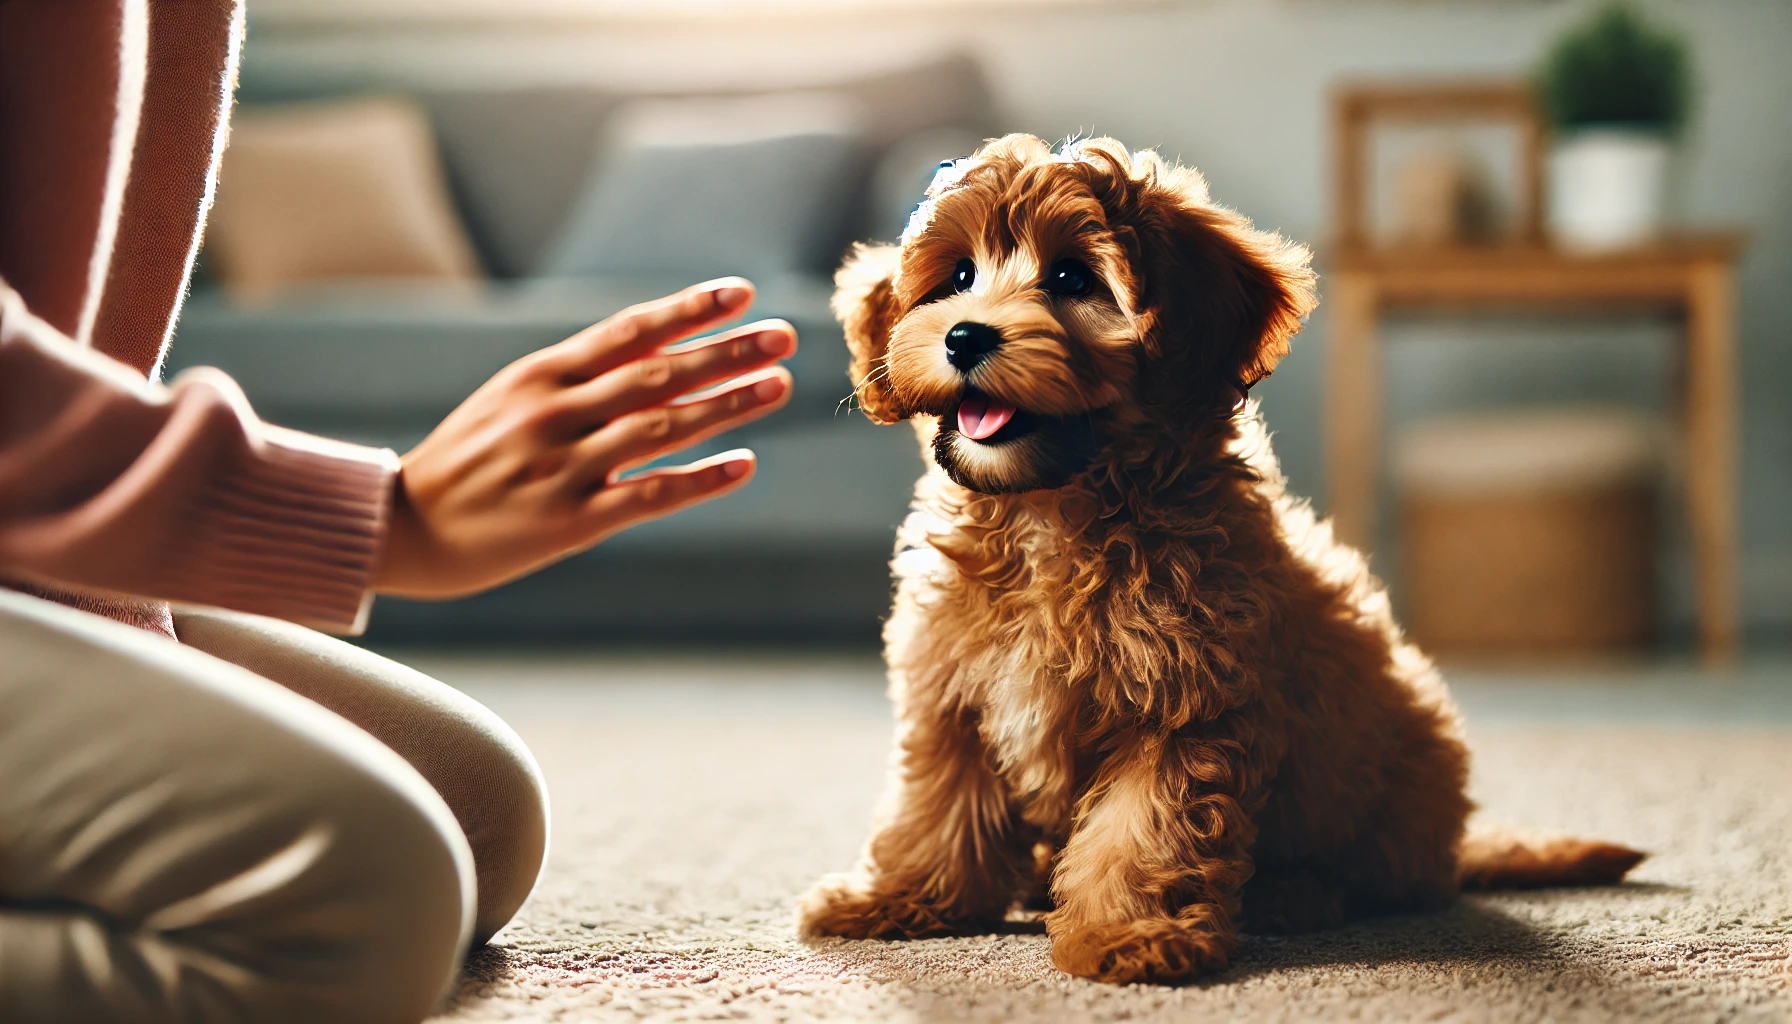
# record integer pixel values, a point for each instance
(182, 840)
(476, 762)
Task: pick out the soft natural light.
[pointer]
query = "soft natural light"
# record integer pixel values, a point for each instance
(336, 11)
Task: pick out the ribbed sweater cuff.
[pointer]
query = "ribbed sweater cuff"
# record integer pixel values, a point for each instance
(295, 532)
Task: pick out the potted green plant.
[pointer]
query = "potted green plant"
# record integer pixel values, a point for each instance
(1614, 90)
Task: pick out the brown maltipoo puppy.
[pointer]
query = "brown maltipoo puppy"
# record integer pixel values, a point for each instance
(1121, 654)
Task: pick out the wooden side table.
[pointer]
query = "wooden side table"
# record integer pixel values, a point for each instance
(1691, 276)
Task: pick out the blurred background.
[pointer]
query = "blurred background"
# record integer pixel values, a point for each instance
(1523, 206)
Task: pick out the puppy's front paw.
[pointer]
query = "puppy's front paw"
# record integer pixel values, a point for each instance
(850, 907)
(1160, 951)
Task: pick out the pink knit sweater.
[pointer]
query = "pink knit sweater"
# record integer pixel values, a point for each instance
(118, 494)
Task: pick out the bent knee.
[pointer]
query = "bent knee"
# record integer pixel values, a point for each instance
(497, 793)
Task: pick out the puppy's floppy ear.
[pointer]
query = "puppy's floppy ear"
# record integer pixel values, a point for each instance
(1226, 298)
(865, 304)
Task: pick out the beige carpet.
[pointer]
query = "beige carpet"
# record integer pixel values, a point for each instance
(689, 814)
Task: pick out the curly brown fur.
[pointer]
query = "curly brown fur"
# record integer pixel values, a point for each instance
(1115, 636)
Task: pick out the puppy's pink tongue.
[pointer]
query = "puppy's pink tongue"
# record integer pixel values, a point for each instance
(979, 416)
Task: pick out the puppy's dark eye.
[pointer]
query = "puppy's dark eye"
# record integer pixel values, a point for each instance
(1069, 278)
(964, 275)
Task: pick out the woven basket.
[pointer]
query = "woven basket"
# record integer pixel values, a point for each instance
(1529, 533)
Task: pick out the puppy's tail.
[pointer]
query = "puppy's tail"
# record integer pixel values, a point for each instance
(1501, 859)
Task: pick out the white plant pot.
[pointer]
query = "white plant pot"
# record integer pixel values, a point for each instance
(1607, 188)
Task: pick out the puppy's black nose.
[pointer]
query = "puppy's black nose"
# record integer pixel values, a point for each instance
(967, 343)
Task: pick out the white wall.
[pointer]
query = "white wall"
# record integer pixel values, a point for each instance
(1238, 87)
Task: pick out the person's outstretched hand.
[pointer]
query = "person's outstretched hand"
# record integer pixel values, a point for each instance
(527, 470)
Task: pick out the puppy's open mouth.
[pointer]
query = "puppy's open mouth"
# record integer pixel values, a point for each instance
(989, 444)
(989, 420)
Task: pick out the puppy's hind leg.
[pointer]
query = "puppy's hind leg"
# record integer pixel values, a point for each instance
(1287, 900)
(1148, 885)
(1402, 857)
(948, 855)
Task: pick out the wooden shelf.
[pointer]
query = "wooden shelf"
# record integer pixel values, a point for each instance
(1678, 249)
(1502, 275)
(1690, 275)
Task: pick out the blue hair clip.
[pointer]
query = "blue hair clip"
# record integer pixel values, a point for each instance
(945, 176)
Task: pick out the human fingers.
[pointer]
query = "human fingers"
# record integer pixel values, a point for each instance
(660, 492)
(646, 434)
(642, 328)
(660, 377)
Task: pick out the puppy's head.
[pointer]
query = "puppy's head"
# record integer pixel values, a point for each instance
(1044, 307)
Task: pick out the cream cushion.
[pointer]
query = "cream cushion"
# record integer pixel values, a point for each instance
(1527, 451)
(336, 190)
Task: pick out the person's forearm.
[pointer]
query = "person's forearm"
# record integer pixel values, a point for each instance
(108, 482)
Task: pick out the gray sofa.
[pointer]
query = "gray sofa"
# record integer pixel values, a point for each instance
(800, 554)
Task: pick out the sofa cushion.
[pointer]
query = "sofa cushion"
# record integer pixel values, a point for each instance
(704, 187)
(517, 157)
(349, 188)
(516, 161)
